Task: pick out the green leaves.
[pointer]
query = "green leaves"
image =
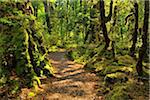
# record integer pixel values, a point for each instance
(6, 21)
(22, 38)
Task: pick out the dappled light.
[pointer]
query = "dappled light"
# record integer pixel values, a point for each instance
(74, 50)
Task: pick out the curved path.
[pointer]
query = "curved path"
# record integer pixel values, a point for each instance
(71, 82)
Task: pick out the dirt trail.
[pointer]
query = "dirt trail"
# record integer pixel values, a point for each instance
(71, 82)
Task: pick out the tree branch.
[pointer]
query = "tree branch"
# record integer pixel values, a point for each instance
(108, 18)
(128, 17)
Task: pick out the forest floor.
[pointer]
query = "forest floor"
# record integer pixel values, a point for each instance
(71, 82)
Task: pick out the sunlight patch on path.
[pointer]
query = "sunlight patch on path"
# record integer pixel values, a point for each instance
(71, 82)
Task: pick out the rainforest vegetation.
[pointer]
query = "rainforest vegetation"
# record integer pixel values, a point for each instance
(44, 42)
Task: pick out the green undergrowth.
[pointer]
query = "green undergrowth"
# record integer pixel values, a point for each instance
(23, 48)
(81, 53)
(119, 78)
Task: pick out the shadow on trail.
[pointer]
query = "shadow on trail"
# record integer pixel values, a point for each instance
(71, 82)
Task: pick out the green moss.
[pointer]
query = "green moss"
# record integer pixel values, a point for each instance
(115, 77)
(113, 69)
(3, 80)
(105, 66)
(127, 91)
(118, 93)
(126, 60)
(24, 41)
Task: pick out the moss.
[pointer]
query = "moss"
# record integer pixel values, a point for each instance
(115, 77)
(89, 67)
(25, 42)
(126, 60)
(104, 70)
(138, 90)
(105, 66)
(3, 80)
(129, 90)
(99, 67)
(118, 93)
(119, 78)
(103, 90)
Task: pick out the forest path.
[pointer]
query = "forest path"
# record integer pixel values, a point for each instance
(71, 82)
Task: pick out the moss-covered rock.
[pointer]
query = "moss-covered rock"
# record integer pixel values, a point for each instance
(115, 77)
(113, 69)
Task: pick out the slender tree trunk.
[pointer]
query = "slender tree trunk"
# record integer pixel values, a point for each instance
(46, 7)
(86, 36)
(81, 9)
(91, 30)
(86, 32)
(35, 11)
(67, 33)
(104, 20)
(35, 7)
(115, 14)
(143, 49)
(134, 37)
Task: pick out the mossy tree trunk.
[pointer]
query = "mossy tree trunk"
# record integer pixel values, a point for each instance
(135, 34)
(143, 48)
(47, 14)
(27, 42)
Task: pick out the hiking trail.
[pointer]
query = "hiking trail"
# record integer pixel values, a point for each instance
(71, 82)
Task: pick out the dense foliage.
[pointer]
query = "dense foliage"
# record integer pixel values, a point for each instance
(22, 41)
(110, 37)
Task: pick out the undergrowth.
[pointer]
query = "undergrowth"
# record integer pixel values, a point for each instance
(118, 75)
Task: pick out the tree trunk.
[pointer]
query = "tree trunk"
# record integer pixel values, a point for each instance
(134, 37)
(143, 49)
(46, 7)
(35, 10)
(85, 19)
(90, 31)
(115, 14)
(35, 7)
(104, 20)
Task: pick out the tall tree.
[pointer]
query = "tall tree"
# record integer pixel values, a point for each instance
(135, 34)
(67, 20)
(47, 14)
(91, 28)
(143, 48)
(85, 19)
(104, 20)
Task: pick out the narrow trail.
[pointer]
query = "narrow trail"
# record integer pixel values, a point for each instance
(71, 82)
